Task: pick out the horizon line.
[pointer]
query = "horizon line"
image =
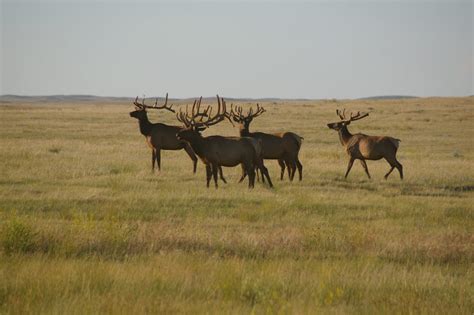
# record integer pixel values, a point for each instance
(234, 98)
(228, 97)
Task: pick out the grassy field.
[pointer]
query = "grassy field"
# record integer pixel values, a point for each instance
(85, 227)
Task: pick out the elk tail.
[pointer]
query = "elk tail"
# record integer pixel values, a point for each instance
(395, 141)
(298, 139)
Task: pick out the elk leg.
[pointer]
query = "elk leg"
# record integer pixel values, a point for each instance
(300, 168)
(399, 167)
(265, 173)
(250, 170)
(208, 174)
(391, 169)
(288, 167)
(260, 167)
(251, 173)
(214, 173)
(293, 170)
(153, 157)
(158, 159)
(193, 157)
(364, 165)
(400, 170)
(221, 175)
(244, 174)
(349, 166)
(282, 167)
(394, 164)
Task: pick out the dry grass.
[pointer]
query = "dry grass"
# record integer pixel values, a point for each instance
(86, 228)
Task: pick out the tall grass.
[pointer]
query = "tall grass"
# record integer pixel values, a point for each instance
(85, 227)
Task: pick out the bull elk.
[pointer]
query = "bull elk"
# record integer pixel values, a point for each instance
(216, 151)
(283, 147)
(160, 136)
(363, 147)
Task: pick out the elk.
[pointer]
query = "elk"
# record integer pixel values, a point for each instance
(216, 151)
(160, 136)
(283, 147)
(363, 147)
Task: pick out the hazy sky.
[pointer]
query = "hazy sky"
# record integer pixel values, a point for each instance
(237, 49)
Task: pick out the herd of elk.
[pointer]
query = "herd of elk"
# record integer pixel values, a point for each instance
(363, 147)
(251, 148)
(161, 136)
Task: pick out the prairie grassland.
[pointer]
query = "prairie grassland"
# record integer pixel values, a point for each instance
(85, 227)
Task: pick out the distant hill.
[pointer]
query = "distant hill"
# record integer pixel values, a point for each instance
(387, 97)
(61, 98)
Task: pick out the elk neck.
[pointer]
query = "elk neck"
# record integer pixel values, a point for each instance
(344, 135)
(145, 126)
(198, 144)
(244, 131)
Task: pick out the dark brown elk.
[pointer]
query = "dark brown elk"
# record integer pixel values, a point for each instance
(160, 136)
(216, 151)
(363, 147)
(283, 147)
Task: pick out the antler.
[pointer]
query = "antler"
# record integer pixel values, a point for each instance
(238, 115)
(142, 104)
(202, 119)
(342, 114)
(135, 102)
(353, 117)
(217, 118)
(164, 105)
(358, 116)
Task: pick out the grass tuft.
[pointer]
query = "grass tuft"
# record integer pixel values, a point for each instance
(17, 237)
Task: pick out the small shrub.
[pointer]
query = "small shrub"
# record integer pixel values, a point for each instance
(17, 237)
(114, 171)
(265, 292)
(54, 150)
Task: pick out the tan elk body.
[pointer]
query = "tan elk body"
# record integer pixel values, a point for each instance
(363, 147)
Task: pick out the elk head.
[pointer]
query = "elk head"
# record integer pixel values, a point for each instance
(244, 120)
(197, 121)
(344, 120)
(140, 108)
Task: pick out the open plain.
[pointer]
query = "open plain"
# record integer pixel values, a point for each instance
(85, 227)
